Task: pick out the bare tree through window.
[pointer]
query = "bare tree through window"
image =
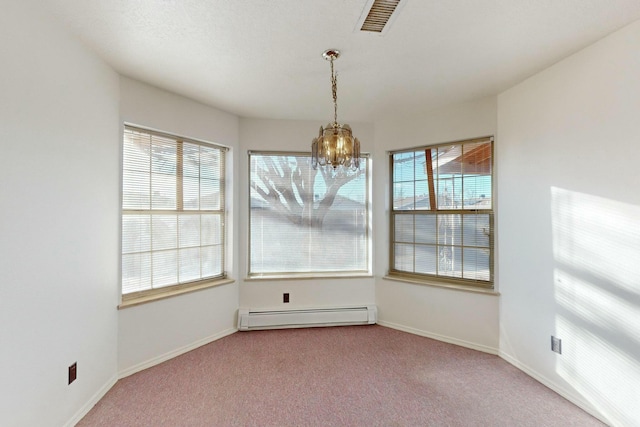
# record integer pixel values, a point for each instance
(304, 220)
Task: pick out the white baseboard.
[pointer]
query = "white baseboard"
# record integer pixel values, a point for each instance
(450, 340)
(91, 402)
(571, 397)
(171, 354)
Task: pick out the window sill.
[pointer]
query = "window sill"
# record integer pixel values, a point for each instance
(155, 296)
(436, 284)
(309, 276)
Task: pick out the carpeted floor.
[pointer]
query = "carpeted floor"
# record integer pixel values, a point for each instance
(341, 376)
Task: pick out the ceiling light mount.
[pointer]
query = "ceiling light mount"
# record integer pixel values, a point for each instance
(335, 145)
(331, 54)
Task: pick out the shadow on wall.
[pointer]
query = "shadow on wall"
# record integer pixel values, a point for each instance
(596, 244)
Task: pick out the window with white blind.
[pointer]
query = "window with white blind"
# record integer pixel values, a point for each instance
(173, 213)
(442, 213)
(305, 222)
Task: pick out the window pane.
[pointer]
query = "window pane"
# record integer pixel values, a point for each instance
(449, 261)
(163, 173)
(163, 155)
(136, 272)
(209, 194)
(189, 264)
(210, 163)
(136, 187)
(403, 196)
(136, 233)
(403, 167)
(211, 229)
(163, 191)
(164, 232)
(189, 231)
(191, 193)
(191, 160)
(404, 228)
(450, 229)
(422, 195)
(476, 264)
(477, 192)
(403, 257)
(426, 259)
(426, 228)
(136, 152)
(211, 260)
(421, 165)
(449, 160)
(477, 158)
(449, 193)
(165, 268)
(304, 221)
(476, 230)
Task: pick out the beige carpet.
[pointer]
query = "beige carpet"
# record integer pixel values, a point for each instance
(341, 376)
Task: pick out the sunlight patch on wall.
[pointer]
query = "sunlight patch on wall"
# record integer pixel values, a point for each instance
(596, 246)
(597, 235)
(605, 377)
(609, 312)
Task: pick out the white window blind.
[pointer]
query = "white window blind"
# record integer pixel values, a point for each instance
(442, 213)
(172, 211)
(306, 222)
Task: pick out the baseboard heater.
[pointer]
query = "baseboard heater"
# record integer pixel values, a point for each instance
(249, 320)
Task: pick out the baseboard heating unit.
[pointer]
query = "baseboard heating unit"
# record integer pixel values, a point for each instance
(249, 320)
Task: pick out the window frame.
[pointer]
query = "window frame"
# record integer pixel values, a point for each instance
(152, 294)
(436, 279)
(287, 275)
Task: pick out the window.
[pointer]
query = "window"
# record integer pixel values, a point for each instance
(306, 222)
(442, 213)
(172, 213)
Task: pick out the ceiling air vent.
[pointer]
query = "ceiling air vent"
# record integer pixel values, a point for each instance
(379, 15)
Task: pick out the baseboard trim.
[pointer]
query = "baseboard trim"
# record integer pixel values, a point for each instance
(571, 397)
(91, 402)
(174, 353)
(443, 338)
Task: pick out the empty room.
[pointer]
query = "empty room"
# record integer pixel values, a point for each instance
(337, 212)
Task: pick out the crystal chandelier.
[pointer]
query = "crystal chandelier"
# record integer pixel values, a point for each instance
(335, 145)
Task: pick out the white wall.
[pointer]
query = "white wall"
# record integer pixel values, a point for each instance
(290, 135)
(153, 332)
(569, 226)
(464, 318)
(58, 221)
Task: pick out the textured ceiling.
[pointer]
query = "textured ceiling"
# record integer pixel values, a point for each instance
(262, 58)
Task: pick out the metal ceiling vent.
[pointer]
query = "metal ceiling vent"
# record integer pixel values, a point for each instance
(379, 15)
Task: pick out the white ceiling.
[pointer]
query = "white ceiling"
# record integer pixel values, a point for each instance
(262, 58)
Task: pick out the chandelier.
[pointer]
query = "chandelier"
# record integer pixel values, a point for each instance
(335, 145)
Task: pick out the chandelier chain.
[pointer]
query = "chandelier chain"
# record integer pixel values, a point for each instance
(334, 91)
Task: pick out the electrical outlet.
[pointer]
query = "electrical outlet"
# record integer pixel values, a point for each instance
(73, 372)
(556, 344)
(285, 297)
